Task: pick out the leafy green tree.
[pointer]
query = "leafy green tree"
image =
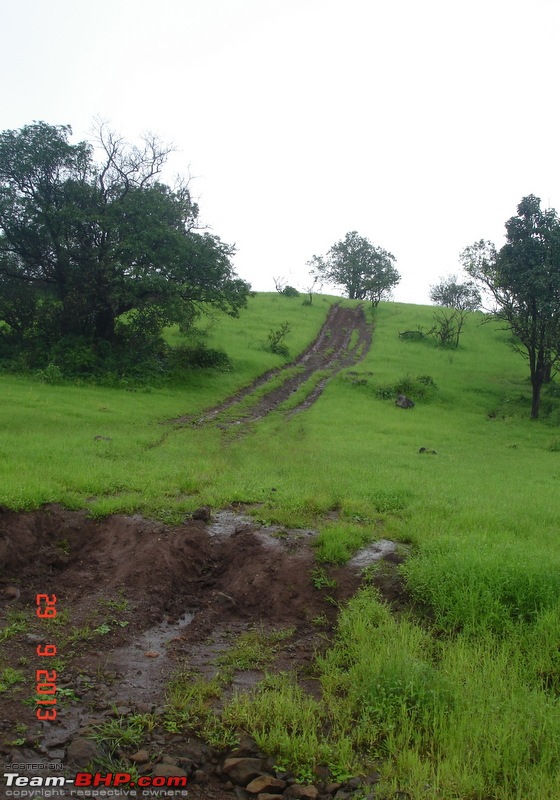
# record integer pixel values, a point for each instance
(357, 266)
(457, 300)
(523, 280)
(82, 243)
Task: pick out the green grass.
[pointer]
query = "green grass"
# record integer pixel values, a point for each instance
(16, 623)
(10, 677)
(459, 699)
(252, 650)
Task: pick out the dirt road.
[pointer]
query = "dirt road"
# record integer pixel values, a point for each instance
(343, 340)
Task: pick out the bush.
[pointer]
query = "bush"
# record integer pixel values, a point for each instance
(199, 357)
(51, 374)
(423, 387)
(290, 291)
(276, 340)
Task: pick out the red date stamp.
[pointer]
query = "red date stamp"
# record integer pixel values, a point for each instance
(45, 679)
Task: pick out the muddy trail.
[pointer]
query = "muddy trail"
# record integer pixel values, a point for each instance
(344, 340)
(137, 602)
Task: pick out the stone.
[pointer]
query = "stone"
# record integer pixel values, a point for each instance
(187, 763)
(168, 771)
(265, 783)
(140, 757)
(203, 513)
(195, 751)
(267, 796)
(200, 776)
(242, 770)
(247, 743)
(309, 793)
(33, 638)
(81, 752)
(403, 401)
(298, 792)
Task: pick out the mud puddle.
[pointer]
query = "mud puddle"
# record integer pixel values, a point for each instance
(145, 662)
(372, 553)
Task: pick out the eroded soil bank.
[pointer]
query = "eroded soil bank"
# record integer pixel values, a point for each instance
(136, 600)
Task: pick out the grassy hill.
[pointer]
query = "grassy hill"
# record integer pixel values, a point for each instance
(454, 697)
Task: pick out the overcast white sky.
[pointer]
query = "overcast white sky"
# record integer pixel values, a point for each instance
(419, 123)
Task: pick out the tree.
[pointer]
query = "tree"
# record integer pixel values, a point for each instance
(82, 243)
(523, 279)
(359, 267)
(456, 300)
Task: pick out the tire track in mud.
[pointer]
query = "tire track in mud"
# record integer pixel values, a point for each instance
(344, 339)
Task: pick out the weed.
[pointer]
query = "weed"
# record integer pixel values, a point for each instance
(113, 763)
(67, 695)
(102, 629)
(253, 650)
(188, 701)
(122, 733)
(9, 677)
(17, 623)
(77, 635)
(60, 621)
(121, 605)
(321, 580)
(64, 545)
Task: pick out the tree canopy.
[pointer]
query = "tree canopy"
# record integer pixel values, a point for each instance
(357, 266)
(457, 299)
(83, 242)
(523, 280)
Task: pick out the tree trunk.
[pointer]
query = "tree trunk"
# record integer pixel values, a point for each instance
(536, 382)
(535, 405)
(105, 325)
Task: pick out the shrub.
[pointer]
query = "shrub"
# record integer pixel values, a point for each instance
(51, 374)
(276, 340)
(199, 357)
(423, 387)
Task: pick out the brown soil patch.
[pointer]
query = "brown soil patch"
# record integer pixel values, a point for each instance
(135, 601)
